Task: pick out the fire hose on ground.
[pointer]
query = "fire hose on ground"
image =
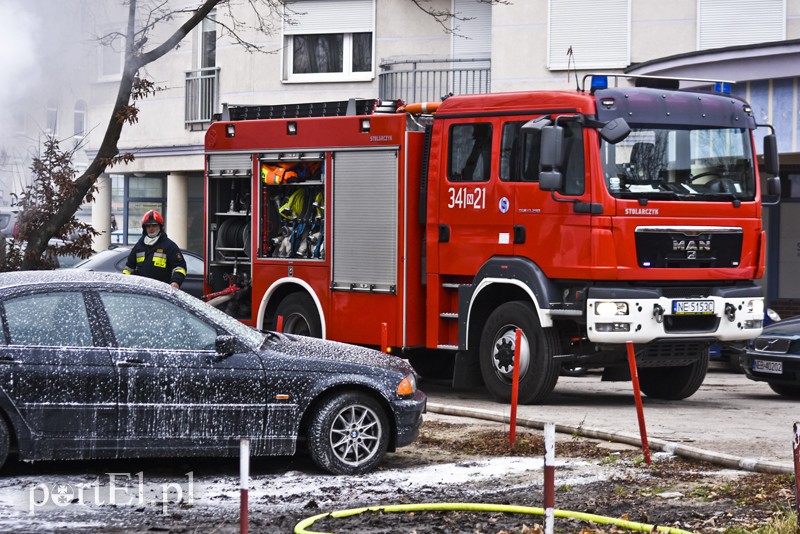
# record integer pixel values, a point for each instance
(302, 527)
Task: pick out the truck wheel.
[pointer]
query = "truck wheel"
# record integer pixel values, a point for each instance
(348, 434)
(673, 383)
(538, 371)
(299, 316)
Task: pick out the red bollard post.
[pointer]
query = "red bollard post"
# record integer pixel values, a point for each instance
(384, 337)
(279, 324)
(512, 431)
(637, 394)
(549, 477)
(796, 457)
(244, 475)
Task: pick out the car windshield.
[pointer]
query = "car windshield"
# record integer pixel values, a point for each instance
(99, 257)
(681, 164)
(252, 337)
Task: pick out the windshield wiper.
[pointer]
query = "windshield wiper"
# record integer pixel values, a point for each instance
(652, 195)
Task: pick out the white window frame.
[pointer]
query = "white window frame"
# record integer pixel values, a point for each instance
(52, 112)
(719, 20)
(119, 42)
(83, 111)
(588, 34)
(347, 74)
(210, 19)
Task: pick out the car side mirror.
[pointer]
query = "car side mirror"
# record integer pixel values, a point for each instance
(225, 345)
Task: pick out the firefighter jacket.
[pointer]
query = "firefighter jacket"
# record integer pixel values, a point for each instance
(161, 261)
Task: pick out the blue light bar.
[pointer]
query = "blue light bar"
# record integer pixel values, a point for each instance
(722, 87)
(599, 82)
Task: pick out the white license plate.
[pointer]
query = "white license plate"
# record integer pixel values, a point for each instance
(764, 366)
(693, 307)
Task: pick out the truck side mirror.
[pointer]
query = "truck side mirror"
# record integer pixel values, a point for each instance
(771, 163)
(551, 181)
(552, 147)
(774, 186)
(615, 131)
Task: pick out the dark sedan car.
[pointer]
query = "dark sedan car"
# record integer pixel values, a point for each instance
(113, 261)
(106, 365)
(774, 357)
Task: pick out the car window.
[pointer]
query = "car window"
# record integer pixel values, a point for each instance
(145, 322)
(52, 319)
(194, 265)
(68, 261)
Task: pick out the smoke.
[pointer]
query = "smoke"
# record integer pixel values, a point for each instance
(18, 56)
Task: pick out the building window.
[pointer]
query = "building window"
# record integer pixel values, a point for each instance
(52, 117)
(111, 55)
(208, 41)
(322, 46)
(596, 33)
(722, 23)
(79, 119)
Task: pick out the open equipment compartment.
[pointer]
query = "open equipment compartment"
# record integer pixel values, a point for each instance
(292, 189)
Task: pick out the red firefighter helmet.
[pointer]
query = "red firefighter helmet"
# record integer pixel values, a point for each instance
(152, 217)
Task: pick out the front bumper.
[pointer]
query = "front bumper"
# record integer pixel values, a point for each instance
(408, 418)
(651, 314)
(790, 376)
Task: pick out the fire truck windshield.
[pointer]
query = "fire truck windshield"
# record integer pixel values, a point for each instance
(681, 164)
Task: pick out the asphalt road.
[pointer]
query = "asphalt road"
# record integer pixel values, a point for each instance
(729, 414)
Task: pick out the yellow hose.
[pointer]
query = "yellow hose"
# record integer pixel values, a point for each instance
(300, 528)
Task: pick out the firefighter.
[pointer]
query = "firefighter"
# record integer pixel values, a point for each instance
(155, 255)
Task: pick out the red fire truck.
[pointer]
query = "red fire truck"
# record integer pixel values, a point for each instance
(586, 219)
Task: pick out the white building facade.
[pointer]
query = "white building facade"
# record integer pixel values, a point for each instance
(323, 50)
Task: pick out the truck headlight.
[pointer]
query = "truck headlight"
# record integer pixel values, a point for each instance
(608, 309)
(756, 307)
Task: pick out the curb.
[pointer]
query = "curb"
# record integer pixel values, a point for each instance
(727, 460)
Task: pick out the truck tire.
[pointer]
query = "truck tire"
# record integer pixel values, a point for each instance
(538, 370)
(299, 316)
(673, 383)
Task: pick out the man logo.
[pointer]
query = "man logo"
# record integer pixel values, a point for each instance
(691, 246)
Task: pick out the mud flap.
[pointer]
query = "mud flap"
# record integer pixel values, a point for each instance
(467, 371)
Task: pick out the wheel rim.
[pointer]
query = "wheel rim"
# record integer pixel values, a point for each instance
(296, 324)
(503, 353)
(355, 434)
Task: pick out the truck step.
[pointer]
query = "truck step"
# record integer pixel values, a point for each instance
(452, 285)
(563, 312)
(448, 315)
(447, 347)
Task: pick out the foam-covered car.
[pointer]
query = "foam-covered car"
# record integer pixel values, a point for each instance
(102, 365)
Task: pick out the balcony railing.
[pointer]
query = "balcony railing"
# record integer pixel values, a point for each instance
(428, 80)
(202, 95)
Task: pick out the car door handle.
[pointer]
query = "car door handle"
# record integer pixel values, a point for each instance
(7, 359)
(131, 362)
